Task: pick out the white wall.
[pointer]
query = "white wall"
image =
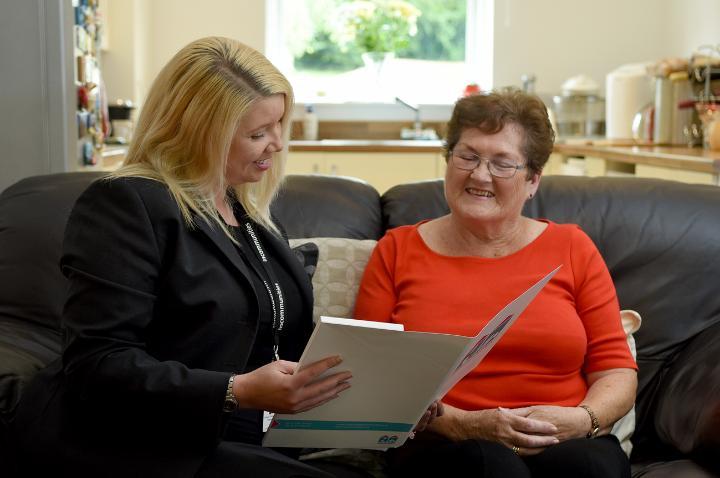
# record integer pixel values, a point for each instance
(691, 23)
(561, 38)
(125, 57)
(554, 39)
(144, 35)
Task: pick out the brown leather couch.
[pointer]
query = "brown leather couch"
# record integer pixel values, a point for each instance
(660, 239)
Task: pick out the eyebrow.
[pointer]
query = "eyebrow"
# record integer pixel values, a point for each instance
(503, 154)
(261, 127)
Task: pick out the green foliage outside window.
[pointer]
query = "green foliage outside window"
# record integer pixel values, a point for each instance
(440, 35)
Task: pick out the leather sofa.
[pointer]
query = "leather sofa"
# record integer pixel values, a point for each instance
(660, 239)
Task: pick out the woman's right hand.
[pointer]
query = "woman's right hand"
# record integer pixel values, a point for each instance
(530, 436)
(276, 387)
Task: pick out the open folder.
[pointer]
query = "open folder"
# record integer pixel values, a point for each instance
(396, 376)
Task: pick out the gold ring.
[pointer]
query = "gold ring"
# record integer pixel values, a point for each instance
(516, 449)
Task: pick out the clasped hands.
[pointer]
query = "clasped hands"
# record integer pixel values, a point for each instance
(527, 430)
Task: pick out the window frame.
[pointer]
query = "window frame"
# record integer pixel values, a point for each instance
(478, 61)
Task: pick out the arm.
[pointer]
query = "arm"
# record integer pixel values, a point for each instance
(609, 368)
(610, 396)
(112, 257)
(508, 427)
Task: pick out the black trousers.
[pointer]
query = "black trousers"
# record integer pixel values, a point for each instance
(239, 459)
(601, 457)
(231, 459)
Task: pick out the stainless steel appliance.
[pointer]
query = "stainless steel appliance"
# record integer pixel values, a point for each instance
(579, 110)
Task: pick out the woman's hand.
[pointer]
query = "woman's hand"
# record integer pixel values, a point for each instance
(276, 388)
(571, 422)
(435, 410)
(509, 427)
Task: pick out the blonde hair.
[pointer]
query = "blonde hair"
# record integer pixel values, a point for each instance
(189, 118)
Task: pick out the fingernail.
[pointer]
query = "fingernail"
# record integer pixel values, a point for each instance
(336, 360)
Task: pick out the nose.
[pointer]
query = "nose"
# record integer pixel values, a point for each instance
(480, 171)
(277, 140)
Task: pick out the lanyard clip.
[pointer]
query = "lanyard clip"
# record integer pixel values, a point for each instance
(276, 355)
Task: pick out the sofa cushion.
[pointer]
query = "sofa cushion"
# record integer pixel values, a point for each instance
(328, 206)
(672, 469)
(25, 348)
(340, 266)
(624, 428)
(33, 213)
(688, 412)
(307, 254)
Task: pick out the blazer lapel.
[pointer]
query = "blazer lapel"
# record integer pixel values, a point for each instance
(224, 245)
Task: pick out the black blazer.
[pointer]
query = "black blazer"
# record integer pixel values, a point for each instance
(158, 315)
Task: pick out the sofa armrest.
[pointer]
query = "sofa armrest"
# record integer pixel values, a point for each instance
(688, 413)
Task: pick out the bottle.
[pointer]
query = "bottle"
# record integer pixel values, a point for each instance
(663, 111)
(310, 124)
(682, 106)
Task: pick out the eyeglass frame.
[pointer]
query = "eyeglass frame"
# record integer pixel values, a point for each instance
(479, 159)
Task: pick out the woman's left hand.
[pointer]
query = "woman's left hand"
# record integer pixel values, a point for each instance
(434, 410)
(571, 422)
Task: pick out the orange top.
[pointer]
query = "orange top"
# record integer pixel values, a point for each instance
(571, 328)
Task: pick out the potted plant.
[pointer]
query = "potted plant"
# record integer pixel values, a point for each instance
(378, 28)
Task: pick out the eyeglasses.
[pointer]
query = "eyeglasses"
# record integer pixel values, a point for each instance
(499, 168)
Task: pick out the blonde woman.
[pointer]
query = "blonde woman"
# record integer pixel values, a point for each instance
(186, 308)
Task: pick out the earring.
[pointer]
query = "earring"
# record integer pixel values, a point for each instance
(530, 196)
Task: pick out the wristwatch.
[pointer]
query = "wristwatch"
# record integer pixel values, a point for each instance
(594, 422)
(230, 404)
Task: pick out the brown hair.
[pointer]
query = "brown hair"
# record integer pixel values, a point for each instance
(491, 112)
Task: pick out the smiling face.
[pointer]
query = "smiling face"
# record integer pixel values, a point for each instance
(476, 195)
(258, 136)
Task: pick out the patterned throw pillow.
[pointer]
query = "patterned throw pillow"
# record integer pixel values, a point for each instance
(307, 254)
(624, 428)
(339, 269)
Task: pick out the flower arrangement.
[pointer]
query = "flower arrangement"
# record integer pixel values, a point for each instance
(377, 25)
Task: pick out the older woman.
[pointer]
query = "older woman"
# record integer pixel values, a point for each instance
(543, 401)
(185, 306)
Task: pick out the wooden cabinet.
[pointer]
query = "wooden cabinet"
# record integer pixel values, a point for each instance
(382, 169)
(690, 165)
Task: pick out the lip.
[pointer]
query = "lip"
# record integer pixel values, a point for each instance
(263, 164)
(474, 193)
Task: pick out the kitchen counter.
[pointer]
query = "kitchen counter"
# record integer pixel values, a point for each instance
(601, 157)
(671, 157)
(691, 159)
(372, 146)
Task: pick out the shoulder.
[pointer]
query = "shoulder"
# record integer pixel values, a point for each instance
(398, 236)
(569, 232)
(402, 231)
(145, 188)
(128, 194)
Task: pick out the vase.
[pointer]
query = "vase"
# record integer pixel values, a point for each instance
(375, 62)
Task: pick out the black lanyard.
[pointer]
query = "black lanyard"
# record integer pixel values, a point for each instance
(273, 288)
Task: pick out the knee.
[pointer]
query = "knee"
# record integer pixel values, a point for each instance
(599, 458)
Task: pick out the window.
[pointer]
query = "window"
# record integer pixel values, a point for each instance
(440, 48)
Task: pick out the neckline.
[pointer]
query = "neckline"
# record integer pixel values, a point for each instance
(416, 231)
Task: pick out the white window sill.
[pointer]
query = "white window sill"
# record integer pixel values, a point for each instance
(374, 112)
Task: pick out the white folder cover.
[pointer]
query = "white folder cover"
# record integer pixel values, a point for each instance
(396, 376)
